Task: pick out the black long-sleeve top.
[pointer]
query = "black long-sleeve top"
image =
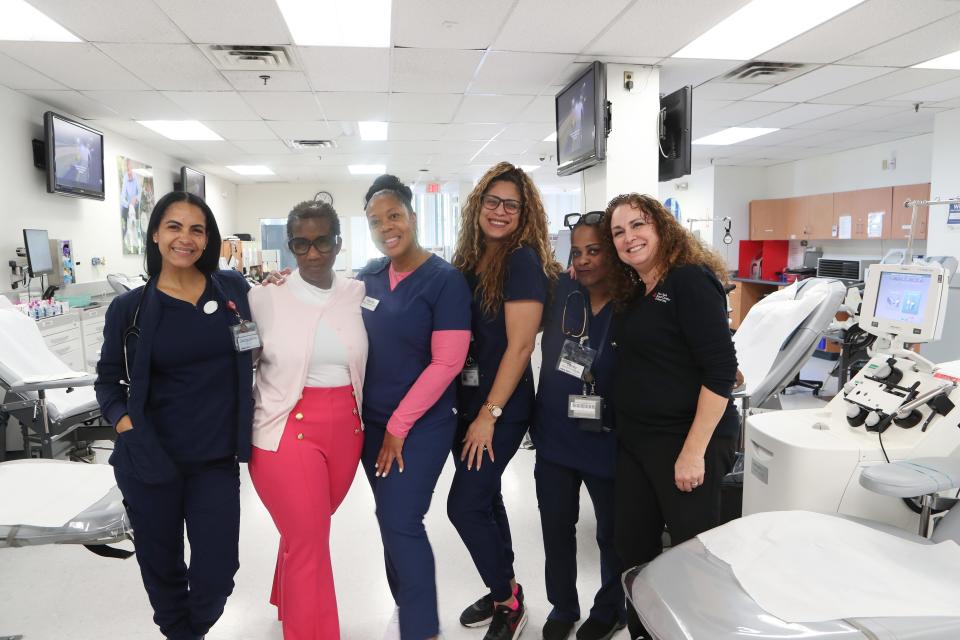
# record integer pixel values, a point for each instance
(670, 343)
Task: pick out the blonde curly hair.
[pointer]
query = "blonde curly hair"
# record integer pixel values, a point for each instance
(531, 232)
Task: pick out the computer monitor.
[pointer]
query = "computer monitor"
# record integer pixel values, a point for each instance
(908, 301)
(39, 259)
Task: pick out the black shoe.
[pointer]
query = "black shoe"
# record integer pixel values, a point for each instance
(593, 629)
(480, 612)
(507, 623)
(557, 630)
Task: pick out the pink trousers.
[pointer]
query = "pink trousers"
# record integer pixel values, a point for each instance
(302, 483)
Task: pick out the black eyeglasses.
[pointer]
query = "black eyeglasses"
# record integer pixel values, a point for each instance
(511, 207)
(573, 219)
(323, 244)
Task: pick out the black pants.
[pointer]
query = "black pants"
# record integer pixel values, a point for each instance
(647, 499)
(187, 601)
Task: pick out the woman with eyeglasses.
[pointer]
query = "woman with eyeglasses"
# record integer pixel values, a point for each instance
(676, 369)
(307, 433)
(417, 315)
(504, 251)
(175, 379)
(573, 431)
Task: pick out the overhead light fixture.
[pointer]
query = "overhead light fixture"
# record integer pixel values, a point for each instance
(251, 169)
(181, 129)
(528, 168)
(338, 23)
(367, 169)
(551, 138)
(733, 135)
(949, 61)
(21, 21)
(372, 130)
(761, 26)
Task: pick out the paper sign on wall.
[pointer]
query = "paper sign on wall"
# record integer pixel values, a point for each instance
(846, 227)
(875, 224)
(953, 215)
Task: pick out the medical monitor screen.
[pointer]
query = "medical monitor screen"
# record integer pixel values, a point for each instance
(902, 297)
(194, 182)
(74, 158)
(580, 113)
(39, 259)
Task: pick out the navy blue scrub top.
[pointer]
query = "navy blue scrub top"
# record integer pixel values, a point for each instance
(193, 394)
(557, 437)
(435, 297)
(524, 280)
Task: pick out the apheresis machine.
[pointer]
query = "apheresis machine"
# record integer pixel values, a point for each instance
(849, 531)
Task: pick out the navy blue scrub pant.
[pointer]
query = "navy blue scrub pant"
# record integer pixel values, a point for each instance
(402, 501)
(187, 601)
(558, 495)
(475, 507)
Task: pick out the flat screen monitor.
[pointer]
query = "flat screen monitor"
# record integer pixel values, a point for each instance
(192, 181)
(74, 157)
(39, 259)
(675, 126)
(908, 301)
(581, 113)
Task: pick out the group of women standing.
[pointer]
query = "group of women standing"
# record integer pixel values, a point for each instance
(413, 359)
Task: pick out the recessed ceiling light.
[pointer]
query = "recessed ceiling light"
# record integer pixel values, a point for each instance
(338, 23)
(733, 135)
(949, 61)
(528, 168)
(181, 129)
(551, 138)
(22, 21)
(761, 26)
(371, 130)
(367, 169)
(251, 169)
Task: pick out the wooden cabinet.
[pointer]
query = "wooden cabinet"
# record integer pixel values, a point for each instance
(809, 217)
(768, 219)
(867, 212)
(900, 219)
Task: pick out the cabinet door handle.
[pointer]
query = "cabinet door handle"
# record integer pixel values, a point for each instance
(768, 230)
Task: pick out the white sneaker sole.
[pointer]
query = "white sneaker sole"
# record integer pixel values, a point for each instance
(520, 626)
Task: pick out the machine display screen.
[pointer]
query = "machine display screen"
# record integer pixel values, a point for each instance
(902, 297)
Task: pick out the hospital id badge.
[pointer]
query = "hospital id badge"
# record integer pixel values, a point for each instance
(585, 407)
(245, 336)
(575, 359)
(470, 376)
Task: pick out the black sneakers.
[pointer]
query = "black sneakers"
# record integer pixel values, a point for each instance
(507, 623)
(480, 613)
(593, 629)
(557, 630)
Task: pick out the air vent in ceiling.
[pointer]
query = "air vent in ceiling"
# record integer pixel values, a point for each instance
(312, 144)
(761, 72)
(242, 57)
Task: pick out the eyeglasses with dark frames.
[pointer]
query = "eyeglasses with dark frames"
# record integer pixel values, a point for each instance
(323, 244)
(490, 203)
(573, 219)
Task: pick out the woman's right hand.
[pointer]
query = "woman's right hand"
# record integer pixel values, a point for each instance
(277, 277)
(124, 424)
(392, 450)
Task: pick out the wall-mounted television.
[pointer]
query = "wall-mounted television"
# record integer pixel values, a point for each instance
(582, 121)
(74, 157)
(675, 127)
(192, 181)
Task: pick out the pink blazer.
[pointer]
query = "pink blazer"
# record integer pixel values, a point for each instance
(287, 328)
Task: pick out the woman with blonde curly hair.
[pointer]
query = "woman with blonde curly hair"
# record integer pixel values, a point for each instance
(504, 251)
(676, 367)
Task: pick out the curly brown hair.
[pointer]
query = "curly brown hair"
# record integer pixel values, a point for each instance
(678, 246)
(531, 232)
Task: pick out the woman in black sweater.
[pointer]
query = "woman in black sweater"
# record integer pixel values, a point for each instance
(676, 368)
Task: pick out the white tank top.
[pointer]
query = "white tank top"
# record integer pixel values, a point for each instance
(328, 366)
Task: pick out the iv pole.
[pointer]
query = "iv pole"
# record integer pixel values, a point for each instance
(914, 204)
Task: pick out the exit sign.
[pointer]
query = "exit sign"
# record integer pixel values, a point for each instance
(433, 187)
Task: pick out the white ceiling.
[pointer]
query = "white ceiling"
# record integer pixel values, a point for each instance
(467, 84)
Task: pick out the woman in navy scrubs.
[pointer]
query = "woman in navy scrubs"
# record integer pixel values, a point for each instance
(504, 251)
(417, 316)
(581, 450)
(175, 379)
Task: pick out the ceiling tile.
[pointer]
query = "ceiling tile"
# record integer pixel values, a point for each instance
(472, 131)
(440, 24)
(939, 92)
(718, 90)
(507, 147)
(284, 106)
(433, 70)
(213, 105)
(782, 138)
(742, 112)
(535, 131)
(559, 26)
(518, 72)
(241, 129)
(15, 75)
(216, 150)
(843, 119)
(73, 103)
(864, 26)
(139, 105)
(541, 109)
(306, 130)
(227, 22)
(491, 108)
(112, 20)
(278, 80)
(79, 66)
(888, 85)
(906, 121)
(127, 128)
(423, 107)
(416, 131)
(913, 47)
(353, 106)
(796, 114)
(679, 72)
(261, 146)
(820, 82)
(346, 68)
(169, 67)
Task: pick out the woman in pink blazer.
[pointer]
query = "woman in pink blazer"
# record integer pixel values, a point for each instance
(307, 433)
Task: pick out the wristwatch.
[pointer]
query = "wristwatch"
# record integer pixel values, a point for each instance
(494, 410)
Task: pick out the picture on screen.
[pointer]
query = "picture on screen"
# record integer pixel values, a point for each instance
(576, 122)
(77, 156)
(903, 297)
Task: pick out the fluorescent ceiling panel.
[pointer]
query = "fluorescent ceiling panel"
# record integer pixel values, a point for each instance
(181, 129)
(21, 21)
(733, 135)
(949, 61)
(367, 169)
(251, 169)
(372, 130)
(528, 168)
(338, 23)
(761, 26)
(551, 138)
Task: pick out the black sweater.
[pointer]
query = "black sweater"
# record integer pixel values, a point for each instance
(668, 345)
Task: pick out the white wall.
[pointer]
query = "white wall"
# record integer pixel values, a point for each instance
(735, 187)
(92, 225)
